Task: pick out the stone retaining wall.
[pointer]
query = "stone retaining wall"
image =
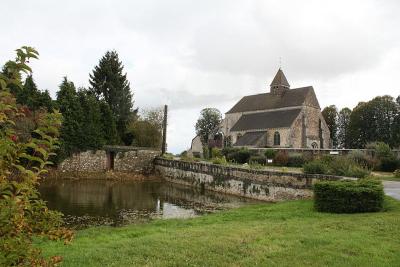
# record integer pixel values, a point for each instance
(257, 184)
(127, 160)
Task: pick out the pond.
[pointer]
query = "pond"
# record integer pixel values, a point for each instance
(103, 202)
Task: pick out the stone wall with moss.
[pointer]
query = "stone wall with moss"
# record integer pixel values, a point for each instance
(257, 184)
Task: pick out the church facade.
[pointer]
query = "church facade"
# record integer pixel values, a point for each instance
(282, 118)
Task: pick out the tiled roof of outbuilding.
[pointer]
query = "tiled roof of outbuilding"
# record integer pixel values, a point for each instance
(266, 120)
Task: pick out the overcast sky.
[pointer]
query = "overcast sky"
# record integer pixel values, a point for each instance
(209, 53)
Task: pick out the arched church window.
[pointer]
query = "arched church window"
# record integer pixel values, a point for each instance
(277, 139)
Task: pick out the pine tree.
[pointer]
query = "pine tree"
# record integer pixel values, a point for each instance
(109, 128)
(91, 124)
(109, 83)
(70, 108)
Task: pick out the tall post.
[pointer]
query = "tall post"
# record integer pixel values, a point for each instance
(164, 136)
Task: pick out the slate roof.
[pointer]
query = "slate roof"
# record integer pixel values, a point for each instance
(291, 98)
(265, 120)
(250, 139)
(280, 79)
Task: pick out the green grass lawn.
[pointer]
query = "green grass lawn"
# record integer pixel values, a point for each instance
(385, 176)
(284, 234)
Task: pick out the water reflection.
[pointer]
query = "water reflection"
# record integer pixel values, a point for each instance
(98, 202)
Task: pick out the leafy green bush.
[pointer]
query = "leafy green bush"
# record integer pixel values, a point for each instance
(257, 159)
(238, 155)
(216, 152)
(270, 153)
(396, 173)
(389, 164)
(315, 167)
(348, 196)
(281, 158)
(363, 160)
(219, 161)
(296, 160)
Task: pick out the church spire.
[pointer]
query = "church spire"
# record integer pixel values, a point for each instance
(279, 84)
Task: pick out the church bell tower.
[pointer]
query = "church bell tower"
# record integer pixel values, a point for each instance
(279, 84)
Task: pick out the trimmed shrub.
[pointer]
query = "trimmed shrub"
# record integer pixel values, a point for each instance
(315, 167)
(348, 196)
(396, 173)
(281, 159)
(257, 159)
(270, 153)
(296, 160)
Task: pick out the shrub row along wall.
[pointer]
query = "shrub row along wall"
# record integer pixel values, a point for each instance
(127, 160)
(257, 184)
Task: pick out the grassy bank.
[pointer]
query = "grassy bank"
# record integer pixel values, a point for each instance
(284, 234)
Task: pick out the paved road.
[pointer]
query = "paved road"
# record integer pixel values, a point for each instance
(392, 189)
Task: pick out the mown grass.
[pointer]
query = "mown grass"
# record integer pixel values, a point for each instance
(385, 176)
(284, 234)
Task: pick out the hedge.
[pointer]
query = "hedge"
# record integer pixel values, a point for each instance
(348, 196)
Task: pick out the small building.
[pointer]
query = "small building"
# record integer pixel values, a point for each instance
(284, 117)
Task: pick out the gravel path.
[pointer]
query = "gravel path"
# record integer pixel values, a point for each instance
(392, 189)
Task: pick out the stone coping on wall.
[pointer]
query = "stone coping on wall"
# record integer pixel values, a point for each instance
(128, 148)
(260, 175)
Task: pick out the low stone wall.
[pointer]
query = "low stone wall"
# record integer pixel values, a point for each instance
(123, 160)
(257, 184)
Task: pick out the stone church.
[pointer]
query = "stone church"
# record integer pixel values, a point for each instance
(284, 117)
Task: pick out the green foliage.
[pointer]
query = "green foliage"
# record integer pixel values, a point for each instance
(386, 158)
(375, 120)
(296, 160)
(330, 115)
(348, 196)
(23, 161)
(336, 165)
(216, 152)
(343, 128)
(146, 131)
(270, 153)
(109, 128)
(237, 155)
(208, 124)
(315, 167)
(219, 161)
(396, 173)
(257, 159)
(281, 158)
(109, 83)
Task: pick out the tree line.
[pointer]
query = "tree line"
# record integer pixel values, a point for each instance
(377, 120)
(102, 114)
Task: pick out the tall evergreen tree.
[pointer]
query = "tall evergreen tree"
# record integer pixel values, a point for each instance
(330, 115)
(108, 82)
(70, 108)
(91, 124)
(109, 128)
(343, 128)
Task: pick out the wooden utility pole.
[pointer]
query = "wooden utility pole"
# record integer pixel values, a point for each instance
(164, 136)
